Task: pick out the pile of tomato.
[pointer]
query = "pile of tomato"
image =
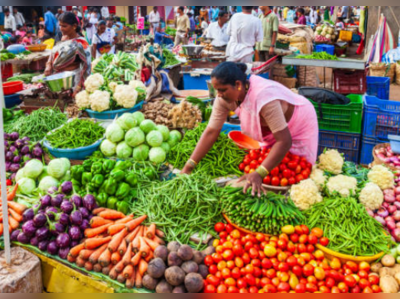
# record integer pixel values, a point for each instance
(290, 171)
(289, 263)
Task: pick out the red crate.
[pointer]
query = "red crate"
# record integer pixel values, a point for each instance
(6, 71)
(348, 81)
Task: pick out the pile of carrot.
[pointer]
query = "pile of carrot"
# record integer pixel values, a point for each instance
(15, 212)
(118, 246)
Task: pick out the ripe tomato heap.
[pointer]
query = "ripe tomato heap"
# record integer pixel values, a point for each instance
(290, 263)
(292, 169)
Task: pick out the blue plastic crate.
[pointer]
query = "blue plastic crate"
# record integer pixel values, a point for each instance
(367, 147)
(381, 118)
(112, 114)
(230, 127)
(378, 87)
(12, 100)
(346, 143)
(325, 48)
(198, 82)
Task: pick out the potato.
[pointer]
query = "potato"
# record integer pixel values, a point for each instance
(174, 259)
(149, 282)
(156, 268)
(388, 284)
(163, 287)
(194, 283)
(190, 267)
(385, 271)
(209, 250)
(179, 290)
(185, 252)
(388, 261)
(173, 246)
(198, 257)
(161, 252)
(175, 276)
(375, 267)
(397, 277)
(203, 271)
(396, 269)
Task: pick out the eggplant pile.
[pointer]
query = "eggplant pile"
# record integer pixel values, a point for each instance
(19, 151)
(58, 222)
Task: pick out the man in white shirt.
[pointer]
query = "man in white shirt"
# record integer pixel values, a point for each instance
(9, 21)
(256, 12)
(245, 30)
(218, 30)
(154, 18)
(105, 12)
(313, 15)
(19, 18)
(79, 13)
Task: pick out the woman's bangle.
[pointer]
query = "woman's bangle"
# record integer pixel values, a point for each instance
(192, 163)
(262, 171)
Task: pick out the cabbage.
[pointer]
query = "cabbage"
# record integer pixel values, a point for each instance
(26, 186)
(47, 182)
(174, 138)
(148, 125)
(139, 116)
(164, 131)
(66, 177)
(33, 169)
(19, 175)
(127, 121)
(124, 151)
(165, 146)
(56, 168)
(141, 153)
(134, 137)
(114, 133)
(157, 155)
(108, 148)
(67, 163)
(43, 174)
(154, 138)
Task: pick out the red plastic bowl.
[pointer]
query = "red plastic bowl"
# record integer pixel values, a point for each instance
(12, 87)
(243, 141)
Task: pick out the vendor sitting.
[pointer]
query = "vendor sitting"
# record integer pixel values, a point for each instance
(162, 38)
(28, 39)
(103, 41)
(81, 64)
(269, 113)
(218, 31)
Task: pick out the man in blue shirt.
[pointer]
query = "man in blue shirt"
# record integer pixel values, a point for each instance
(192, 22)
(162, 38)
(50, 22)
(213, 13)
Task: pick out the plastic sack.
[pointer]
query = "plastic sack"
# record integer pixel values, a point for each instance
(391, 56)
(323, 96)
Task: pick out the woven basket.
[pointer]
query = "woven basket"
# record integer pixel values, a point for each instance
(378, 161)
(275, 189)
(37, 48)
(243, 230)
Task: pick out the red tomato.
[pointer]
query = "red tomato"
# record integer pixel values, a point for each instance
(270, 288)
(228, 255)
(285, 160)
(253, 164)
(324, 241)
(256, 263)
(212, 269)
(230, 282)
(298, 169)
(241, 283)
(292, 165)
(287, 173)
(300, 288)
(216, 257)
(250, 279)
(219, 227)
(221, 289)
(271, 273)
(312, 239)
(282, 167)
(242, 166)
(260, 160)
(213, 280)
(246, 161)
(363, 283)
(266, 264)
(352, 266)
(292, 181)
(284, 182)
(243, 291)
(247, 169)
(229, 228)
(283, 287)
(297, 270)
(305, 174)
(246, 258)
(275, 171)
(373, 279)
(257, 272)
(253, 253)
(376, 289)
(208, 261)
(275, 181)
(209, 289)
(330, 282)
(308, 270)
(299, 178)
(283, 267)
(312, 288)
(363, 274)
(303, 239)
(303, 164)
(350, 281)
(253, 155)
(233, 289)
(267, 180)
(253, 290)
(310, 248)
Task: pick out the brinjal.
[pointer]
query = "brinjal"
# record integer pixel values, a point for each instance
(76, 218)
(59, 228)
(17, 159)
(89, 202)
(8, 165)
(63, 253)
(28, 215)
(37, 152)
(13, 176)
(66, 187)
(9, 156)
(19, 143)
(14, 136)
(26, 139)
(75, 233)
(14, 167)
(63, 240)
(25, 150)
(6, 144)
(45, 201)
(22, 238)
(85, 224)
(13, 149)
(52, 247)
(28, 228)
(43, 245)
(14, 235)
(42, 233)
(85, 212)
(67, 206)
(50, 211)
(52, 190)
(63, 218)
(57, 200)
(76, 200)
(39, 220)
(34, 241)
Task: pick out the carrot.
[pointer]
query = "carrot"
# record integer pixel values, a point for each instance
(136, 259)
(122, 248)
(144, 248)
(92, 232)
(131, 225)
(128, 271)
(86, 253)
(151, 231)
(149, 257)
(96, 254)
(15, 215)
(121, 278)
(97, 268)
(116, 240)
(129, 238)
(98, 210)
(80, 262)
(158, 240)
(153, 245)
(115, 229)
(105, 258)
(144, 231)
(124, 220)
(160, 234)
(128, 255)
(106, 270)
(138, 280)
(115, 258)
(113, 274)
(136, 244)
(130, 282)
(17, 207)
(14, 224)
(119, 267)
(96, 242)
(88, 266)
(111, 215)
(11, 195)
(1, 229)
(74, 252)
(97, 221)
(142, 267)
(71, 259)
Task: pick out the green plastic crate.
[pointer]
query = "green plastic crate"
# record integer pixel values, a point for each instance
(343, 118)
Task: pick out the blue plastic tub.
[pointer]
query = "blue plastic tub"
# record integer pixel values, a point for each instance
(12, 100)
(325, 48)
(381, 118)
(80, 153)
(367, 147)
(346, 143)
(198, 82)
(378, 87)
(112, 114)
(230, 127)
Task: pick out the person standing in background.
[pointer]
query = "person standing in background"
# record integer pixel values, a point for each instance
(192, 22)
(105, 12)
(218, 30)
(345, 12)
(19, 18)
(59, 13)
(213, 13)
(204, 14)
(285, 12)
(154, 19)
(270, 26)
(182, 27)
(50, 22)
(301, 17)
(91, 26)
(9, 21)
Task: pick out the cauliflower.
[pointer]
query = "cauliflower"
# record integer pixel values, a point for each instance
(342, 184)
(82, 99)
(100, 101)
(125, 96)
(305, 194)
(317, 175)
(93, 82)
(112, 86)
(381, 176)
(137, 84)
(371, 196)
(331, 161)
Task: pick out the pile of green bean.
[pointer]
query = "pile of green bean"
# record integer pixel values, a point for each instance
(37, 124)
(348, 227)
(267, 214)
(222, 160)
(181, 207)
(318, 56)
(77, 133)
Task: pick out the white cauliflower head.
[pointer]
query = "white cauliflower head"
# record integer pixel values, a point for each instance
(305, 194)
(112, 86)
(82, 99)
(331, 161)
(381, 176)
(94, 82)
(136, 83)
(371, 196)
(342, 184)
(125, 96)
(100, 101)
(317, 175)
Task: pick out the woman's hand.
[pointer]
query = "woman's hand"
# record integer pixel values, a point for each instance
(47, 71)
(187, 169)
(254, 181)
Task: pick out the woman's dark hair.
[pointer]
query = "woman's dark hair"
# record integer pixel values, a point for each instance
(181, 8)
(19, 27)
(301, 10)
(247, 8)
(29, 32)
(230, 72)
(102, 22)
(70, 19)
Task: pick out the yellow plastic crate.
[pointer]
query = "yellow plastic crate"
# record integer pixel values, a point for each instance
(345, 35)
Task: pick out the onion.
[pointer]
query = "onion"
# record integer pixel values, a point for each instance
(396, 234)
(382, 212)
(397, 205)
(391, 225)
(385, 205)
(390, 198)
(392, 209)
(396, 216)
(381, 157)
(388, 192)
(380, 220)
(370, 213)
(398, 224)
(398, 198)
(389, 219)
(397, 190)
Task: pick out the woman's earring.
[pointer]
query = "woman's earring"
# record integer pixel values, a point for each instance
(239, 88)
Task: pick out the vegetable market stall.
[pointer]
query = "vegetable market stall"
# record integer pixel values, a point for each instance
(35, 61)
